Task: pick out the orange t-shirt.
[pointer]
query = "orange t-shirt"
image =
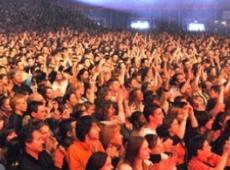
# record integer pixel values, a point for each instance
(79, 154)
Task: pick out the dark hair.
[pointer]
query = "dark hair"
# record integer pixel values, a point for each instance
(96, 161)
(135, 119)
(67, 96)
(152, 140)
(33, 106)
(27, 131)
(64, 128)
(83, 127)
(3, 99)
(132, 149)
(163, 130)
(216, 88)
(149, 110)
(133, 95)
(195, 144)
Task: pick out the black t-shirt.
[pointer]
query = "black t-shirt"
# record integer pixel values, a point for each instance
(15, 122)
(30, 163)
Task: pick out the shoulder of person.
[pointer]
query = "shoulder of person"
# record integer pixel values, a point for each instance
(124, 166)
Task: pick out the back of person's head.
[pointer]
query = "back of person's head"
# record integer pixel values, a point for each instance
(96, 161)
(132, 148)
(107, 133)
(195, 144)
(135, 120)
(152, 140)
(83, 127)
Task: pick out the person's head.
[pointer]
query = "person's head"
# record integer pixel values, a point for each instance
(67, 129)
(155, 143)
(169, 127)
(83, 75)
(70, 99)
(214, 91)
(4, 79)
(136, 149)
(109, 110)
(113, 84)
(16, 76)
(87, 129)
(44, 129)
(32, 139)
(179, 109)
(136, 95)
(154, 114)
(137, 119)
(99, 161)
(37, 110)
(18, 103)
(5, 104)
(178, 79)
(79, 89)
(198, 145)
(198, 102)
(111, 135)
(59, 76)
(20, 66)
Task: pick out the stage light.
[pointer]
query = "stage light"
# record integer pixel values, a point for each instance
(196, 27)
(224, 23)
(141, 25)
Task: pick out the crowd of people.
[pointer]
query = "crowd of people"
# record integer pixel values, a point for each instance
(103, 100)
(21, 15)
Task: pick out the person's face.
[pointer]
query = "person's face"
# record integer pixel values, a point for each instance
(111, 111)
(85, 75)
(18, 77)
(45, 131)
(6, 105)
(50, 93)
(4, 61)
(117, 137)
(115, 86)
(21, 105)
(90, 110)
(87, 63)
(108, 164)
(174, 127)
(158, 148)
(73, 99)
(139, 96)
(115, 58)
(158, 116)
(41, 113)
(3, 71)
(36, 145)
(94, 131)
(206, 148)
(31, 62)
(144, 152)
(59, 76)
(180, 79)
(20, 66)
(213, 72)
(198, 103)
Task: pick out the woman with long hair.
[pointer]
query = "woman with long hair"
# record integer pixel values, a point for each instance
(99, 161)
(137, 155)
